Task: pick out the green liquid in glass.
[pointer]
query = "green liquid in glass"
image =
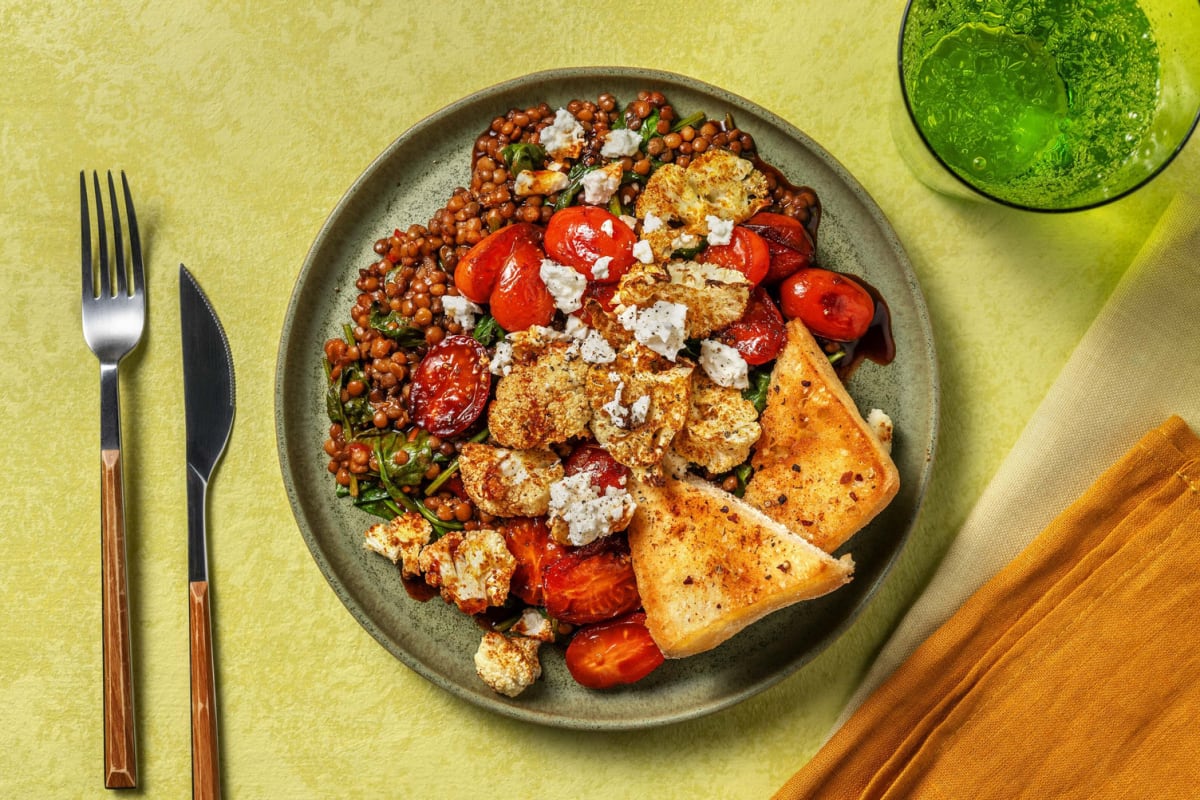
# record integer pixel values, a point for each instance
(1036, 102)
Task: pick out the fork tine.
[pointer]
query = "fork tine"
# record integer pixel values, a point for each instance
(135, 242)
(118, 240)
(105, 283)
(89, 282)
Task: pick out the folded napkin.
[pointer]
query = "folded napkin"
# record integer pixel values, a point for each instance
(1070, 672)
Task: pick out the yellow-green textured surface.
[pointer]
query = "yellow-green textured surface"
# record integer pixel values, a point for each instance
(241, 125)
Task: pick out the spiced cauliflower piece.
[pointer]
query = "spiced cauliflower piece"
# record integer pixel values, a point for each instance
(715, 296)
(541, 400)
(639, 402)
(721, 426)
(508, 483)
(473, 569)
(508, 664)
(534, 624)
(400, 540)
(715, 183)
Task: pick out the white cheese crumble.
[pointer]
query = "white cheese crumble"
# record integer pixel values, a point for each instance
(599, 185)
(629, 221)
(720, 231)
(600, 268)
(607, 227)
(541, 181)
(620, 143)
(661, 327)
(724, 364)
(460, 310)
(501, 363)
(576, 328)
(565, 285)
(588, 513)
(651, 223)
(643, 252)
(617, 412)
(564, 136)
(595, 349)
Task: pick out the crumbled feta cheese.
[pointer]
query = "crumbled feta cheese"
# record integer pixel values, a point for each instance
(565, 285)
(724, 364)
(661, 327)
(599, 185)
(629, 221)
(576, 328)
(643, 252)
(720, 231)
(501, 363)
(595, 349)
(607, 227)
(651, 223)
(881, 424)
(638, 410)
(562, 138)
(685, 241)
(540, 181)
(460, 310)
(600, 267)
(589, 514)
(614, 409)
(620, 143)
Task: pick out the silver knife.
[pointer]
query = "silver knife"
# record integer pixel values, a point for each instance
(208, 395)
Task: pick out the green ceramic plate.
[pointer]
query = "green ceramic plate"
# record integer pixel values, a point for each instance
(406, 184)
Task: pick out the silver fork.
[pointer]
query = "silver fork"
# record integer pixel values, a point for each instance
(113, 320)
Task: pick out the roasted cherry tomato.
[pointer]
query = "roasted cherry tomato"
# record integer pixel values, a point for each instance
(604, 470)
(612, 653)
(450, 386)
(760, 334)
(479, 269)
(790, 245)
(591, 585)
(602, 293)
(831, 304)
(746, 252)
(578, 235)
(521, 298)
(529, 541)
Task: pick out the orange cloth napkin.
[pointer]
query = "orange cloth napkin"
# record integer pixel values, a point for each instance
(1074, 672)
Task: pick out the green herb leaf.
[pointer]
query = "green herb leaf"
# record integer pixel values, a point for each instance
(742, 473)
(688, 253)
(522, 156)
(691, 119)
(394, 326)
(756, 392)
(649, 127)
(487, 330)
(574, 184)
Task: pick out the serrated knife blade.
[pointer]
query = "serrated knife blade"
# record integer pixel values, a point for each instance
(208, 396)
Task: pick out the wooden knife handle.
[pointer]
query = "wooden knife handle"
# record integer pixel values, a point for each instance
(120, 741)
(206, 769)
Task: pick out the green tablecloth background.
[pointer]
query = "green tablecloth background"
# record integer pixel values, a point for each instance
(240, 126)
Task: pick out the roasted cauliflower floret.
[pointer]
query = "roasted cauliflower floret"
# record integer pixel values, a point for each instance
(508, 483)
(508, 664)
(541, 400)
(534, 624)
(400, 540)
(721, 426)
(581, 511)
(715, 296)
(639, 402)
(473, 569)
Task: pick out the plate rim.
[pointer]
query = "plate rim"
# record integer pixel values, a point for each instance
(929, 359)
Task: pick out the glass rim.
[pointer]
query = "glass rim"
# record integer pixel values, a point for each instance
(1187, 135)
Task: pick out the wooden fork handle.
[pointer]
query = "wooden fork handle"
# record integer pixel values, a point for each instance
(206, 770)
(120, 742)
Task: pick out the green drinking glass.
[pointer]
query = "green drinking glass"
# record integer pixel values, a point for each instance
(1046, 105)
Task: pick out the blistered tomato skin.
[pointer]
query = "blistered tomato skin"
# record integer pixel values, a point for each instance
(528, 539)
(760, 334)
(479, 269)
(520, 298)
(578, 235)
(604, 470)
(591, 585)
(830, 304)
(790, 245)
(450, 386)
(746, 252)
(613, 653)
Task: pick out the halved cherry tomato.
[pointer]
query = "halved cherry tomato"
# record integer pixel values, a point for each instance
(521, 298)
(577, 235)
(612, 653)
(746, 252)
(602, 293)
(529, 541)
(789, 243)
(450, 386)
(479, 269)
(591, 585)
(604, 470)
(760, 334)
(831, 304)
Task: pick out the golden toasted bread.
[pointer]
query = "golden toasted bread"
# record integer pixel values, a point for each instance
(708, 565)
(819, 469)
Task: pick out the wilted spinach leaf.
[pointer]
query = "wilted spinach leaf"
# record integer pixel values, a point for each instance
(521, 156)
(756, 392)
(487, 330)
(394, 326)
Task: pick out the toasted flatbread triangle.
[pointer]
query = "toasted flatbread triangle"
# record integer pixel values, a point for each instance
(708, 565)
(818, 468)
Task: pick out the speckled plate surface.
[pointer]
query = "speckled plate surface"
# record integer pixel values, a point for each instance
(407, 183)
